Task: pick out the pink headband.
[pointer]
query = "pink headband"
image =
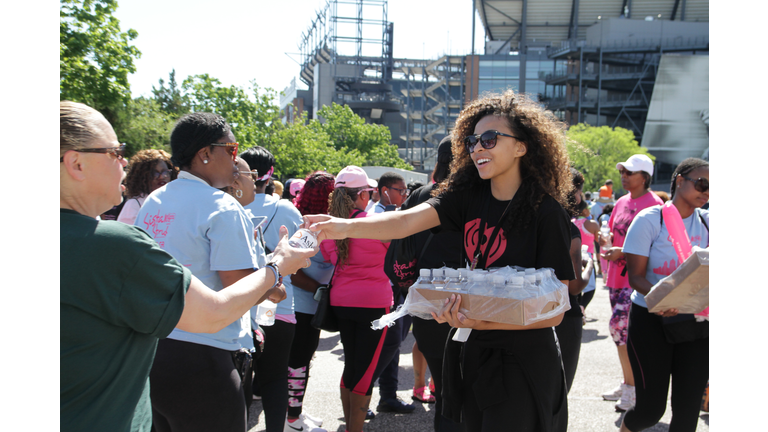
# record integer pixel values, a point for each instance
(267, 175)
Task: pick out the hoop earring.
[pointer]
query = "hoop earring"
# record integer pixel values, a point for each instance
(238, 193)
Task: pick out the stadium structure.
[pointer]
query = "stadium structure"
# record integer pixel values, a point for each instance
(640, 65)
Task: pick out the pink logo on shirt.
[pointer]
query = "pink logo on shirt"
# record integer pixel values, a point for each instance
(472, 236)
(667, 269)
(158, 225)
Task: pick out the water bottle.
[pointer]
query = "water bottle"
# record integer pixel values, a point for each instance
(585, 253)
(453, 280)
(464, 276)
(498, 287)
(304, 239)
(605, 233)
(476, 284)
(438, 279)
(516, 289)
(424, 280)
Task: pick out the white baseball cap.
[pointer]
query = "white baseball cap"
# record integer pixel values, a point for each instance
(638, 162)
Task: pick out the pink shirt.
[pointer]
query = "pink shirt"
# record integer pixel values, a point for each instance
(587, 238)
(361, 281)
(623, 214)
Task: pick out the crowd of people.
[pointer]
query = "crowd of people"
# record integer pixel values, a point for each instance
(167, 260)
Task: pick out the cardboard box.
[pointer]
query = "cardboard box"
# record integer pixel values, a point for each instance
(686, 289)
(502, 310)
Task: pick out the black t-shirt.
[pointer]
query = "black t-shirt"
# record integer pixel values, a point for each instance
(544, 244)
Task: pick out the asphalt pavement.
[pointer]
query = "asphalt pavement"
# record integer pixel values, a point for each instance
(598, 372)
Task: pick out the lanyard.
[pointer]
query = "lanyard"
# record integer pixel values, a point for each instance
(481, 258)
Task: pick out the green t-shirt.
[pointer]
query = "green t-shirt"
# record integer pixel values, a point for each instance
(120, 293)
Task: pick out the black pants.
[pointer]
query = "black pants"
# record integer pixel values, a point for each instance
(389, 362)
(431, 336)
(305, 341)
(585, 298)
(654, 361)
(195, 388)
(569, 337)
(272, 373)
(362, 346)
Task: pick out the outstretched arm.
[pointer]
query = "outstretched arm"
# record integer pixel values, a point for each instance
(385, 226)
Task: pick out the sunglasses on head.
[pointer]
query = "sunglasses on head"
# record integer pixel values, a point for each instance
(232, 146)
(700, 184)
(116, 152)
(487, 140)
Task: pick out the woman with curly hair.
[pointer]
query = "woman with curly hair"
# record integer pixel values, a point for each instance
(360, 293)
(508, 186)
(147, 170)
(313, 199)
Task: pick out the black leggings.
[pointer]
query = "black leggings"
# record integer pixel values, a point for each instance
(585, 298)
(194, 388)
(272, 373)
(305, 341)
(362, 346)
(653, 361)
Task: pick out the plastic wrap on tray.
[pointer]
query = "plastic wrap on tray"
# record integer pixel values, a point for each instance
(506, 295)
(686, 289)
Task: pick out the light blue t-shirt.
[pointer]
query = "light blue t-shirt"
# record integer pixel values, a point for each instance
(648, 236)
(321, 271)
(278, 212)
(207, 231)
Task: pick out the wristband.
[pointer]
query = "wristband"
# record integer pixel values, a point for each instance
(278, 278)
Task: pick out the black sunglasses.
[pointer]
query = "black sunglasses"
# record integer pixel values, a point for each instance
(117, 152)
(487, 140)
(700, 184)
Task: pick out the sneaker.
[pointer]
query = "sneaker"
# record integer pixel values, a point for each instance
(311, 419)
(627, 401)
(370, 415)
(614, 394)
(299, 426)
(394, 405)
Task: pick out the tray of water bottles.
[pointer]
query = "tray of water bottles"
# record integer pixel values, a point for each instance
(509, 295)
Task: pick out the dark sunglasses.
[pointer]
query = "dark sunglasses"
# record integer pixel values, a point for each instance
(233, 146)
(117, 152)
(700, 184)
(487, 140)
(403, 192)
(627, 172)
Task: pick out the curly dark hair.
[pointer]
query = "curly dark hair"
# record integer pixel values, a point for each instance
(141, 167)
(545, 168)
(684, 168)
(313, 198)
(574, 209)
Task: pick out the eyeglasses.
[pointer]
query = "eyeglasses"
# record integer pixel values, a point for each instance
(233, 146)
(403, 192)
(487, 140)
(117, 152)
(700, 184)
(627, 172)
(254, 174)
(162, 173)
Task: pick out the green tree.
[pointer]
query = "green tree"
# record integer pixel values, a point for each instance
(143, 124)
(348, 131)
(252, 120)
(170, 98)
(595, 151)
(95, 56)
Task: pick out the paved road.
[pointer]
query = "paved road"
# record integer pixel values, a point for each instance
(598, 372)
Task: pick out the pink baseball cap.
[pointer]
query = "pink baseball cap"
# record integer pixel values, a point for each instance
(354, 177)
(296, 186)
